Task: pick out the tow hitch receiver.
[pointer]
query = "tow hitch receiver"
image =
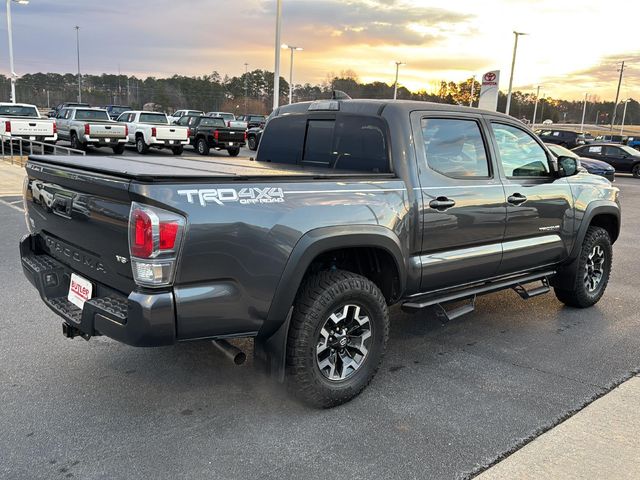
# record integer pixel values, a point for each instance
(72, 332)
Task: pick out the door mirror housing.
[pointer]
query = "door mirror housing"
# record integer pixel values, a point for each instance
(568, 166)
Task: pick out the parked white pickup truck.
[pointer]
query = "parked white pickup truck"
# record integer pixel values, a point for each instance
(175, 116)
(24, 121)
(229, 119)
(152, 130)
(91, 126)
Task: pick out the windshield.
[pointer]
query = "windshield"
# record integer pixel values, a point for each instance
(18, 111)
(156, 118)
(119, 110)
(228, 117)
(212, 122)
(630, 151)
(558, 151)
(91, 115)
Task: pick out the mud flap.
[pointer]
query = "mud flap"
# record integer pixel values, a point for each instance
(270, 352)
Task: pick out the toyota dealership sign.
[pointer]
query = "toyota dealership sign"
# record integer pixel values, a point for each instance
(489, 91)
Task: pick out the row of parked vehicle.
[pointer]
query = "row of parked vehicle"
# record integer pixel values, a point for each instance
(573, 139)
(116, 126)
(602, 155)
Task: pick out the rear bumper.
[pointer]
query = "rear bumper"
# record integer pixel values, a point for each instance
(141, 319)
(102, 142)
(157, 143)
(224, 145)
(38, 138)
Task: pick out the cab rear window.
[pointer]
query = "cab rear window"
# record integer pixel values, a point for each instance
(341, 142)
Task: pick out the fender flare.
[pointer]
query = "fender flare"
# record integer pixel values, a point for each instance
(597, 207)
(271, 342)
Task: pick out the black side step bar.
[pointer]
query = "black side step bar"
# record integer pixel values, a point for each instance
(515, 282)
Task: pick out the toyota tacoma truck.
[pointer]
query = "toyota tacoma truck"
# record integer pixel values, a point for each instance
(83, 127)
(152, 130)
(21, 120)
(350, 207)
(206, 133)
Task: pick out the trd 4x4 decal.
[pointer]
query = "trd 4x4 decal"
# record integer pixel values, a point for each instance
(244, 196)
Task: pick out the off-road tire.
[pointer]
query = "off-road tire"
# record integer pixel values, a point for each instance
(577, 294)
(119, 149)
(177, 150)
(141, 147)
(202, 147)
(319, 296)
(252, 143)
(233, 152)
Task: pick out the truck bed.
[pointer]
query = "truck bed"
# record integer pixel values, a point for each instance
(161, 168)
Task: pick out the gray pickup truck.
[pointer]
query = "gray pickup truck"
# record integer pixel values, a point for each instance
(350, 207)
(85, 126)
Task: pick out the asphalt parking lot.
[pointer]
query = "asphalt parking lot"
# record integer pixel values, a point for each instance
(449, 399)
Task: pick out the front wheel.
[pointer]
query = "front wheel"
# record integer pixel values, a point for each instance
(587, 282)
(233, 152)
(337, 338)
(636, 170)
(119, 149)
(177, 150)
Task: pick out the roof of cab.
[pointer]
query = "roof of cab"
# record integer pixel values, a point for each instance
(377, 106)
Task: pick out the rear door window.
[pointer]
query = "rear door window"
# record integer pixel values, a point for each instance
(455, 147)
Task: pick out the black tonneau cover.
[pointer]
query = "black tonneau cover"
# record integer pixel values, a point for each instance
(167, 168)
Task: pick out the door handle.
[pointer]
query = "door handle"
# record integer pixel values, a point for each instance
(441, 203)
(517, 199)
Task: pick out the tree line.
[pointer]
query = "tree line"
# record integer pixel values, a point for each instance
(252, 92)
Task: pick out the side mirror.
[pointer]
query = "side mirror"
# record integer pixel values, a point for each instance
(568, 166)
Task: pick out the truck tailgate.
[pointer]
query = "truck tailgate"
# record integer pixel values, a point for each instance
(236, 136)
(102, 130)
(82, 219)
(171, 133)
(31, 127)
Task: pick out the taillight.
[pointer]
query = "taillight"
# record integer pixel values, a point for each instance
(245, 135)
(7, 127)
(229, 124)
(55, 128)
(154, 132)
(87, 129)
(126, 130)
(216, 134)
(155, 236)
(188, 132)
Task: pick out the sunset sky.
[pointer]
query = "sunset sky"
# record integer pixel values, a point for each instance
(573, 47)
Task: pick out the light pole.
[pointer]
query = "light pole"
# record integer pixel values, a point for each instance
(535, 109)
(513, 66)
(473, 90)
(584, 112)
(13, 73)
(246, 75)
(624, 115)
(276, 70)
(395, 85)
(79, 76)
(615, 104)
(293, 49)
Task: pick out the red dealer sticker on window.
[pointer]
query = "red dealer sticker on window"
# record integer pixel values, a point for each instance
(80, 290)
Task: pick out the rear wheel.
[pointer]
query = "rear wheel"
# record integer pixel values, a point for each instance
(636, 170)
(118, 150)
(252, 143)
(177, 150)
(141, 146)
(337, 338)
(76, 144)
(591, 270)
(233, 152)
(202, 146)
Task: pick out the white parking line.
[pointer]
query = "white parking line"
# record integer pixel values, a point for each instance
(3, 202)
